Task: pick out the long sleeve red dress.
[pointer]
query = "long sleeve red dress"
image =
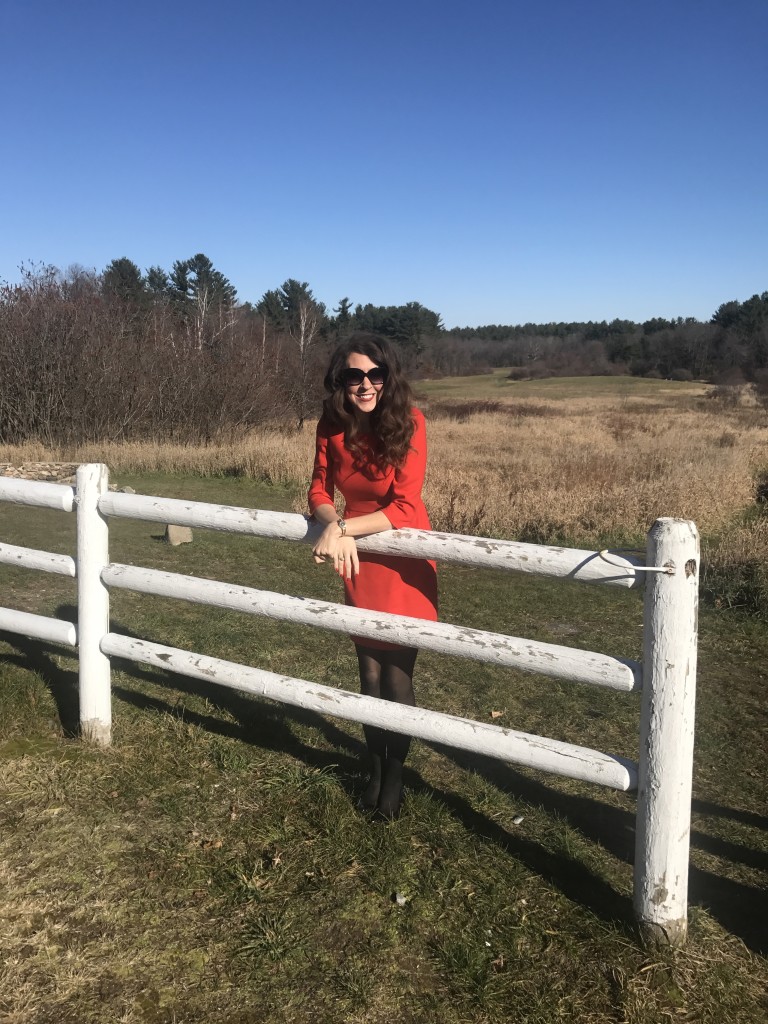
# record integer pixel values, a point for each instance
(385, 583)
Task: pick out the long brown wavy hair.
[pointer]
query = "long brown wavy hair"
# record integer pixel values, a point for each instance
(391, 421)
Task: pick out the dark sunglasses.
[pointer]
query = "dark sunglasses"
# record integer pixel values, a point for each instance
(353, 378)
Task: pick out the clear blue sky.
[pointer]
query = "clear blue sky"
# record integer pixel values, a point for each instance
(499, 162)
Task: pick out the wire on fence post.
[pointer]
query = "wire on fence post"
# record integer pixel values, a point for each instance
(93, 605)
(665, 766)
(606, 556)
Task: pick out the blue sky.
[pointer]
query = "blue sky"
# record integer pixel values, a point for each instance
(498, 162)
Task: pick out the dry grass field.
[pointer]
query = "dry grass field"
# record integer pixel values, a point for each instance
(587, 461)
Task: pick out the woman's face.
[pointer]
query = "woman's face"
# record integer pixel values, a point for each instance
(363, 396)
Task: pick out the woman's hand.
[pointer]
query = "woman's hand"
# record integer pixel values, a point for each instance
(342, 551)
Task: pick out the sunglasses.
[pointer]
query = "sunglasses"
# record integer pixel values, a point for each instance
(353, 378)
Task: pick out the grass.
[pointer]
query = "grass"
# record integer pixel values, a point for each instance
(587, 461)
(210, 865)
(496, 385)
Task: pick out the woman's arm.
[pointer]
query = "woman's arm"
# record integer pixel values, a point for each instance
(405, 499)
(360, 526)
(408, 482)
(341, 547)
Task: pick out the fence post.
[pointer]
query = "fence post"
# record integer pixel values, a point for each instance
(93, 605)
(666, 733)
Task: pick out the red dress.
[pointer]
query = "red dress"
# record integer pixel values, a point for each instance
(405, 586)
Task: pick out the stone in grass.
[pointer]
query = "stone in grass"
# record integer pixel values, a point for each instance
(175, 535)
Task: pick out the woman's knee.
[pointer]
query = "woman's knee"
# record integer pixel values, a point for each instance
(370, 673)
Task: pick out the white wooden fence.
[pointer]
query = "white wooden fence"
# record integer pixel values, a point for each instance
(667, 675)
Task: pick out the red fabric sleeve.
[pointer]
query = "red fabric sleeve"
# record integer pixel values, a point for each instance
(321, 490)
(403, 508)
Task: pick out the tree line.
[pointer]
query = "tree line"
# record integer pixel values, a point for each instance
(732, 347)
(125, 354)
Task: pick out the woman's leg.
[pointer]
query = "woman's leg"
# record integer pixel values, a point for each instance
(369, 664)
(396, 684)
(389, 675)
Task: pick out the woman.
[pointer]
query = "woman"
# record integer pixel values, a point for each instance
(371, 446)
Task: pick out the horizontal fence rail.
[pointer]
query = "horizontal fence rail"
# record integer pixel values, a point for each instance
(527, 655)
(39, 627)
(564, 563)
(479, 737)
(37, 494)
(44, 561)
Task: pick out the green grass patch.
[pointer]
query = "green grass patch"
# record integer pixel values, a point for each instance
(497, 385)
(210, 865)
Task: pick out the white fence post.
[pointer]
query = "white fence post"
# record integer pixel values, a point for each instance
(666, 733)
(93, 605)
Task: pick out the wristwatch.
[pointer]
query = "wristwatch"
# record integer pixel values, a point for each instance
(342, 526)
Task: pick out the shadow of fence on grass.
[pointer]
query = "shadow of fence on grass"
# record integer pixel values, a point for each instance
(739, 907)
(39, 657)
(268, 727)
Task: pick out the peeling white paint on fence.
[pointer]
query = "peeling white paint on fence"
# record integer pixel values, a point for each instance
(666, 734)
(527, 655)
(481, 552)
(663, 775)
(31, 558)
(462, 733)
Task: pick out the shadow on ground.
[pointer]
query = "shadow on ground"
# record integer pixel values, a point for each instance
(740, 908)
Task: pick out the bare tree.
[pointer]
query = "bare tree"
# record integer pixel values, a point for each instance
(292, 309)
(303, 331)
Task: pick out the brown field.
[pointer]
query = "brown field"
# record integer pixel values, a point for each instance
(580, 468)
(589, 462)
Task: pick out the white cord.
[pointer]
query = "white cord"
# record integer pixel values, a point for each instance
(605, 553)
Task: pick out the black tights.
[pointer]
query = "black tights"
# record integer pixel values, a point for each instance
(388, 675)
